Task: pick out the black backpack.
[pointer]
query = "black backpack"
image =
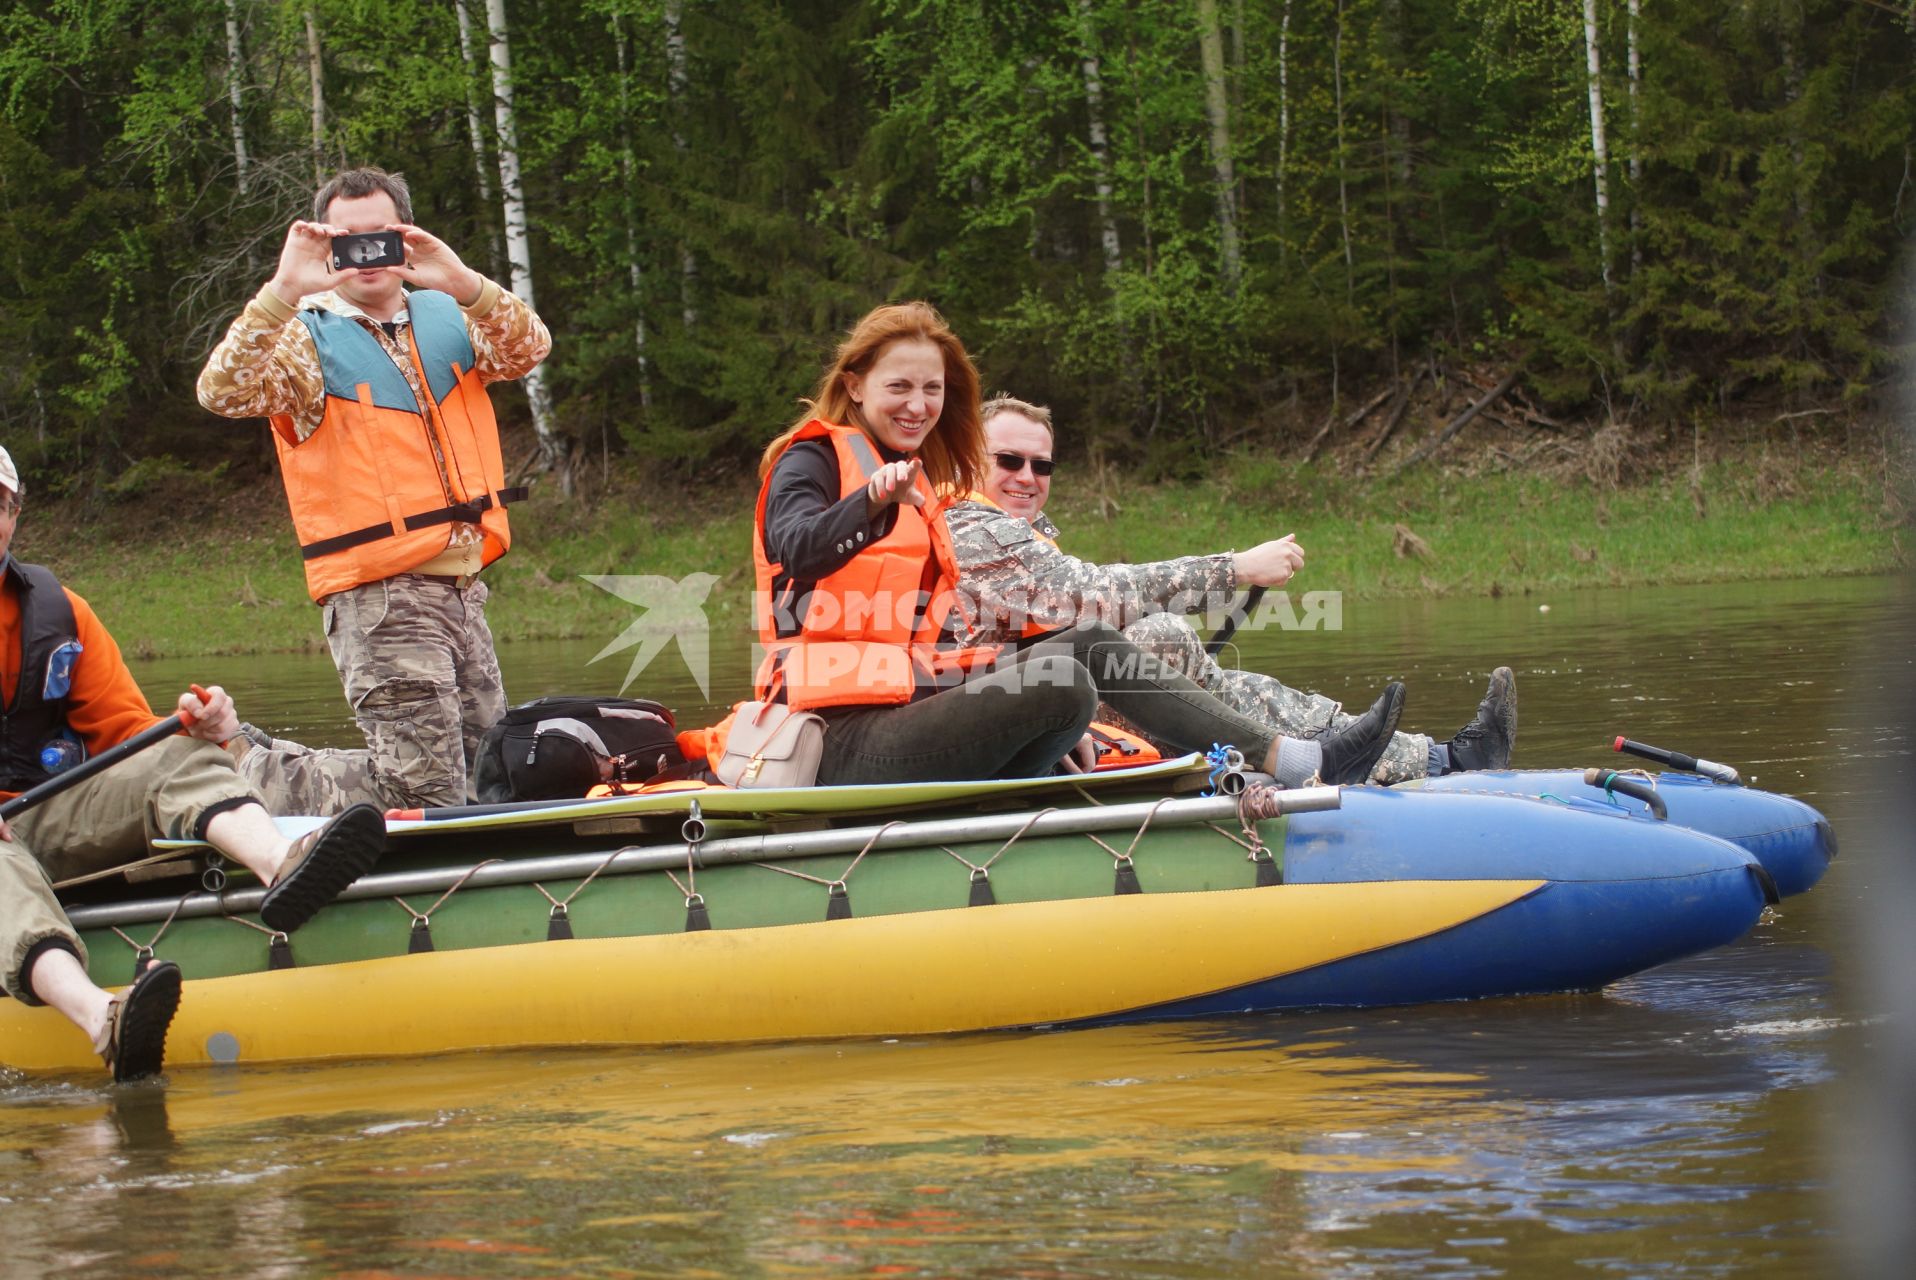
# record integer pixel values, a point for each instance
(554, 748)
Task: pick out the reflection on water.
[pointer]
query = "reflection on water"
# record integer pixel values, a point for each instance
(1671, 1125)
(1319, 1144)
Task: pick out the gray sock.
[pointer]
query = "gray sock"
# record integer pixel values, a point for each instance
(1298, 761)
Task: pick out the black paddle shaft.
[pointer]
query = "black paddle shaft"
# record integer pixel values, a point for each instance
(1677, 760)
(87, 768)
(1237, 614)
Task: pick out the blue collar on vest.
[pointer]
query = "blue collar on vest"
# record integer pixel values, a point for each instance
(350, 355)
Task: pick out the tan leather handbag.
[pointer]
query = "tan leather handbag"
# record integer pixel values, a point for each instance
(771, 745)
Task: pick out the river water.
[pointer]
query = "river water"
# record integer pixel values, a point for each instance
(1678, 1124)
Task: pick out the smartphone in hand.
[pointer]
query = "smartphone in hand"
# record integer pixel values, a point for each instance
(364, 250)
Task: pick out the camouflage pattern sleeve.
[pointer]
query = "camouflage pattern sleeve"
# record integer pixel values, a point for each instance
(265, 365)
(1012, 577)
(508, 338)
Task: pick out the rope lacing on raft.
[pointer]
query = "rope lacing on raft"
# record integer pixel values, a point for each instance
(981, 893)
(838, 904)
(697, 918)
(1258, 803)
(421, 939)
(559, 921)
(143, 951)
(279, 947)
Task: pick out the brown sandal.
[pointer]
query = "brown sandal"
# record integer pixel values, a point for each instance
(133, 1042)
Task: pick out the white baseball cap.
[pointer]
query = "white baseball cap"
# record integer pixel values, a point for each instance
(9, 474)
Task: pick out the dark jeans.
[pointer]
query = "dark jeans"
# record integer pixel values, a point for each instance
(1017, 719)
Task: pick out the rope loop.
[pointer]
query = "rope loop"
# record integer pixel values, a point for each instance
(853, 865)
(272, 935)
(423, 919)
(1260, 803)
(1145, 826)
(576, 890)
(143, 951)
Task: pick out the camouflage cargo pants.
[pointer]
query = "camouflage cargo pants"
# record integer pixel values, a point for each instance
(416, 659)
(1264, 698)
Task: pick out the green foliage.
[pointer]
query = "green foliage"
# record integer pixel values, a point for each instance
(717, 190)
(160, 474)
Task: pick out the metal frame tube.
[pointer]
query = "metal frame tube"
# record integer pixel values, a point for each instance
(737, 849)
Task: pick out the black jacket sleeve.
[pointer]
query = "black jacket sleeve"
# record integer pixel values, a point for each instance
(809, 530)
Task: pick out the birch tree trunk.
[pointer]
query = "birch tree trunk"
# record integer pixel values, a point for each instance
(1599, 147)
(1142, 153)
(1343, 184)
(235, 69)
(1283, 128)
(476, 128)
(1100, 148)
(1238, 76)
(635, 273)
(675, 82)
(314, 72)
(518, 241)
(1636, 142)
(1217, 109)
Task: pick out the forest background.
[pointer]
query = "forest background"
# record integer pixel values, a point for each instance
(1209, 232)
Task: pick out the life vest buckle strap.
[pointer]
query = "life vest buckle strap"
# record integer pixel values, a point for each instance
(345, 541)
(461, 513)
(464, 513)
(468, 512)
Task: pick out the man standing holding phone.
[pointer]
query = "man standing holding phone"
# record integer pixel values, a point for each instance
(391, 459)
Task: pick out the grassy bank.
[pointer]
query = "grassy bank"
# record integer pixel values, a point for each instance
(206, 569)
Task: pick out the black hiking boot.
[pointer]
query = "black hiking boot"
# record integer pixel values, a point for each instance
(1486, 741)
(1352, 752)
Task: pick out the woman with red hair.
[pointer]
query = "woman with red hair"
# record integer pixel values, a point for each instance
(857, 591)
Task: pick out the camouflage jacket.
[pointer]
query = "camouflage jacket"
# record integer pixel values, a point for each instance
(1010, 573)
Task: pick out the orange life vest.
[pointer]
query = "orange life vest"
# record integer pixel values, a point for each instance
(366, 494)
(871, 627)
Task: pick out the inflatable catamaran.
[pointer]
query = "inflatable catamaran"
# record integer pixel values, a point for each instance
(697, 915)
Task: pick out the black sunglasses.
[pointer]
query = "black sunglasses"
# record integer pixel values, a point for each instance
(1015, 462)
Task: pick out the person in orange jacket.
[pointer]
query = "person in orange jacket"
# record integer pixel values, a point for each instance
(68, 695)
(857, 605)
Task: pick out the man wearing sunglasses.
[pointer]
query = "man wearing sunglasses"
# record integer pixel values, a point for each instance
(1019, 581)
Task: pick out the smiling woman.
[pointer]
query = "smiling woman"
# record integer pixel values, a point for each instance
(858, 607)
